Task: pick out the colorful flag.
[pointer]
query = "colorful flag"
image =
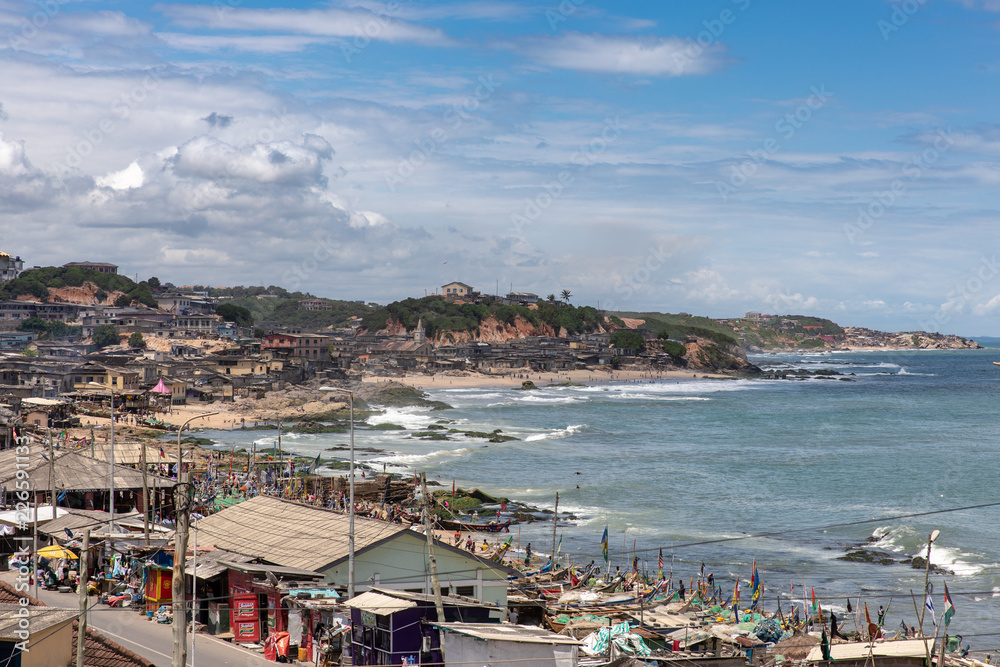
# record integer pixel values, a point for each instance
(659, 562)
(559, 548)
(949, 608)
(314, 465)
(163, 454)
(604, 544)
(929, 605)
(755, 587)
(736, 594)
(815, 607)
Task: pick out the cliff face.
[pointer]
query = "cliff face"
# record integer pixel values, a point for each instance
(705, 355)
(85, 295)
(490, 330)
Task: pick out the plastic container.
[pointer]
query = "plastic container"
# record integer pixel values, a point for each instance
(303, 654)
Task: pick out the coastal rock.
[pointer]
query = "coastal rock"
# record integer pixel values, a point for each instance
(528, 385)
(706, 355)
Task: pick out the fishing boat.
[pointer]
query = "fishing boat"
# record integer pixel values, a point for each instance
(491, 527)
(996, 363)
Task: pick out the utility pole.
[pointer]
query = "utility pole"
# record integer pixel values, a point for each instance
(145, 495)
(182, 509)
(81, 584)
(52, 473)
(435, 582)
(555, 519)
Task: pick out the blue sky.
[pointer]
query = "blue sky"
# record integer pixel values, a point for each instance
(835, 159)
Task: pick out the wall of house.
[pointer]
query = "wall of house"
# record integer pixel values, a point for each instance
(463, 650)
(398, 565)
(55, 651)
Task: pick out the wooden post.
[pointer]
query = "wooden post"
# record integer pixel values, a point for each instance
(145, 495)
(52, 472)
(555, 519)
(81, 585)
(435, 582)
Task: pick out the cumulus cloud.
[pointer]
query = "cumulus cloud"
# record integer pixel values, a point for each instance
(275, 162)
(13, 159)
(126, 179)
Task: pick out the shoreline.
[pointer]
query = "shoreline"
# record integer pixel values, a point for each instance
(466, 380)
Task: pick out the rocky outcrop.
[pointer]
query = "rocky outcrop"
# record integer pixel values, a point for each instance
(706, 355)
(85, 295)
(490, 330)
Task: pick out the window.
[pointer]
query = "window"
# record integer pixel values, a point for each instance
(467, 591)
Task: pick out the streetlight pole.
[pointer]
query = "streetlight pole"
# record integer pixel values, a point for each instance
(182, 514)
(350, 535)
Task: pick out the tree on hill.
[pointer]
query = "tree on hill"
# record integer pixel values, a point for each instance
(230, 313)
(105, 335)
(137, 341)
(566, 294)
(628, 340)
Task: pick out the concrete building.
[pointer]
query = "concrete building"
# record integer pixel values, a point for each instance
(100, 267)
(10, 267)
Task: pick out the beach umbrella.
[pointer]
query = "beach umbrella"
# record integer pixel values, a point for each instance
(56, 551)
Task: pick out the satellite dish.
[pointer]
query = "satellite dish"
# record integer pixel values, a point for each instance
(273, 580)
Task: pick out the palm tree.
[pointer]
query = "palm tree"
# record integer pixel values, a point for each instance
(566, 294)
(551, 298)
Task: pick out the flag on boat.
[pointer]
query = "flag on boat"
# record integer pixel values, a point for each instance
(949, 608)
(736, 595)
(659, 562)
(604, 544)
(929, 606)
(815, 607)
(314, 465)
(559, 548)
(755, 587)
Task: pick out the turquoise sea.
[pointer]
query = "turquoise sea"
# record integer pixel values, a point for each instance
(678, 464)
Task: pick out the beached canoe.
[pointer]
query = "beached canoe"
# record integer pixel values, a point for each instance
(491, 527)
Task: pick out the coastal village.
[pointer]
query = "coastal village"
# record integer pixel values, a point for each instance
(112, 505)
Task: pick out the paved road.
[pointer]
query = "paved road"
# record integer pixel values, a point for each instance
(152, 641)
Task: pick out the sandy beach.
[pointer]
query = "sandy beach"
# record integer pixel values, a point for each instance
(515, 379)
(221, 416)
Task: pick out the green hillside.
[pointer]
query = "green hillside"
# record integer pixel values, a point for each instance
(682, 325)
(440, 315)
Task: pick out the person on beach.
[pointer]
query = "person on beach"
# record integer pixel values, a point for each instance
(527, 554)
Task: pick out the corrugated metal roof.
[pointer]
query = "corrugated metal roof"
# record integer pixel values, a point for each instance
(39, 618)
(210, 562)
(289, 533)
(80, 520)
(45, 514)
(74, 471)
(505, 632)
(379, 604)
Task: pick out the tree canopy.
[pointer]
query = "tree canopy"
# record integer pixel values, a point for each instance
(105, 335)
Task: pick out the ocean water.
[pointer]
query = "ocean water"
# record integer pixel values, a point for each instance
(678, 465)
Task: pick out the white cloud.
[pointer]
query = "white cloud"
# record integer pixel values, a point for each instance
(126, 179)
(13, 159)
(276, 162)
(624, 54)
(380, 25)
